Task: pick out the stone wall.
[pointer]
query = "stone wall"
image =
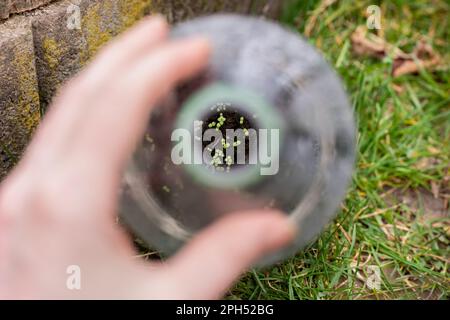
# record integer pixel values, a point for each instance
(8, 7)
(45, 42)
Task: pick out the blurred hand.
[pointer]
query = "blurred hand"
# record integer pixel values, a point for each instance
(58, 207)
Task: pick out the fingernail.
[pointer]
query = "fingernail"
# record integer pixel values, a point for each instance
(290, 228)
(282, 231)
(158, 17)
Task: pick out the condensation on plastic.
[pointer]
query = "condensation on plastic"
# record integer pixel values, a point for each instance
(165, 205)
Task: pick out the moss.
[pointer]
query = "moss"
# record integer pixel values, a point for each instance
(95, 35)
(9, 149)
(133, 10)
(52, 52)
(22, 110)
(217, 6)
(102, 21)
(28, 115)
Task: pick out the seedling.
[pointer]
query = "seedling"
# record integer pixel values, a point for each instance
(221, 120)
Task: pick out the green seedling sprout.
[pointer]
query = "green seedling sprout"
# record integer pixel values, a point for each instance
(219, 157)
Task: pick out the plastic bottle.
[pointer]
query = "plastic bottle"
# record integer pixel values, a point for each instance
(260, 76)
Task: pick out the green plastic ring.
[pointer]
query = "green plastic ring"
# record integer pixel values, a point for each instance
(201, 103)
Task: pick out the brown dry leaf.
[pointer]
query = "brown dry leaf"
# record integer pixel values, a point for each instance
(433, 150)
(435, 189)
(374, 47)
(423, 57)
(419, 200)
(365, 43)
(369, 44)
(426, 163)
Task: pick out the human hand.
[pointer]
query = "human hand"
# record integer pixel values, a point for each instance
(58, 207)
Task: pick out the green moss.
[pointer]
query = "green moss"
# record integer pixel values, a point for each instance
(96, 36)
(103, 21)
(28, 115)
(133, 10)
(22, 111)
(52, 52)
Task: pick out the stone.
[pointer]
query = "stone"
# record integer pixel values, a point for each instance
(62, 49)
(64, 45)
(180, 10)
(19, 97)
(41, 49)
(8, 7)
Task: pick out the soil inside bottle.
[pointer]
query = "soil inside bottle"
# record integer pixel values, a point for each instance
(229, 119)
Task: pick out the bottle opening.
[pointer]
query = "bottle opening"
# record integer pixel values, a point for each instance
(235, 127)
(236, 133)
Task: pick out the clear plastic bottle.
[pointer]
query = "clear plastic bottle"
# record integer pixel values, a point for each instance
(260, 76)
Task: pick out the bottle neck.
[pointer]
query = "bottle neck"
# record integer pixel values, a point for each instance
(213, 107)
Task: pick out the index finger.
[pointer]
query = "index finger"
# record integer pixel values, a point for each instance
(115, 124)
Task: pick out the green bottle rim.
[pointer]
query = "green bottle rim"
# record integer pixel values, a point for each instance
(203, 102)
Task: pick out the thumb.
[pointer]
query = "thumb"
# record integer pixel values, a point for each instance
(214, 259)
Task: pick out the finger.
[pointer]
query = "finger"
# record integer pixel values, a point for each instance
(126, 48)
(69, 109)
(113, 127)
(210, 264)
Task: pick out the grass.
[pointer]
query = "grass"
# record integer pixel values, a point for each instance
(394, 224)
(395, 216)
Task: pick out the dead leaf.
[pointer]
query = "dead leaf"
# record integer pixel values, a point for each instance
(423, 57)
(435, 189)
(433, 150)
(365, 43)
(426, 163)
(419, 200)
(369, 44)
(373, 47)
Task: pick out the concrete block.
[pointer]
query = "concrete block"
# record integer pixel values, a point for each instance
(180, 10)
(68, 34)
(19, 98)
(8, 7)
(43, 48)
(62, 49)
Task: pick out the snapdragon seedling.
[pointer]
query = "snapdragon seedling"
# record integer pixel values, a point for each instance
(222, 119)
